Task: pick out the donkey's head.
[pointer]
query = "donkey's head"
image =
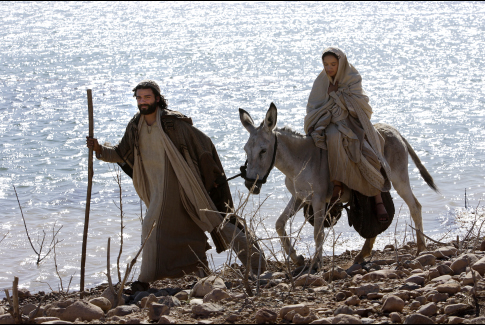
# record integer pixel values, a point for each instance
(260, 148)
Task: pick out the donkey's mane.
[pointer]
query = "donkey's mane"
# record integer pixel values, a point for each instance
(288, 131)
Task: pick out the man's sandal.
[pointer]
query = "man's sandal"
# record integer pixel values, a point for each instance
(383, 217)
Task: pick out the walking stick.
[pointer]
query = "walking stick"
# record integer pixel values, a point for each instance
(88, 197)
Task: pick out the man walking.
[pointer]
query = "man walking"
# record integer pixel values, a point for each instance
(176, 171)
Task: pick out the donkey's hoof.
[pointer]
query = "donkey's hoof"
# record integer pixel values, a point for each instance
(300, 260)
(359, 259)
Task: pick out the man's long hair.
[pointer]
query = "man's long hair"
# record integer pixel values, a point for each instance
(162, 103)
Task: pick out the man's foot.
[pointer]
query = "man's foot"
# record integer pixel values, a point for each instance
(382, 215)
(139, 286)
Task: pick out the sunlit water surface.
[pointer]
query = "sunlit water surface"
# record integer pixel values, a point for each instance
(422, 66)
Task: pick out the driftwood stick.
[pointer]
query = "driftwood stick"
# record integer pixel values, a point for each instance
(108, 273)
(15, 293)
(88, 197)
(435, 241)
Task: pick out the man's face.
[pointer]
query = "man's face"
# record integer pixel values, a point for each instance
(147, 101)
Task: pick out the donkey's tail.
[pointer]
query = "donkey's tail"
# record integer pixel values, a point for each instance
(422, 170)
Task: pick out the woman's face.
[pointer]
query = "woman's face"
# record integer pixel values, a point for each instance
(330, 63)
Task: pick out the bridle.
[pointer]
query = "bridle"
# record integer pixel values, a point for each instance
(262, 181)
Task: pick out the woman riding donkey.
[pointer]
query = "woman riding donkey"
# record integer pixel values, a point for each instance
(338, 120)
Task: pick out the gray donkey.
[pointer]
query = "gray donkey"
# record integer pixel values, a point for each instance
(307, 175)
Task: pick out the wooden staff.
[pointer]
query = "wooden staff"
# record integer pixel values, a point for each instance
(88, 197)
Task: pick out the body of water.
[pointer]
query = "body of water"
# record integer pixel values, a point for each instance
(422, 65)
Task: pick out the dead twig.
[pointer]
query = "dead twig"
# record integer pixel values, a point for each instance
(433, 240)
(1, 240)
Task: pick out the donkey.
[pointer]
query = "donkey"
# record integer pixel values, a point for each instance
(307, 175)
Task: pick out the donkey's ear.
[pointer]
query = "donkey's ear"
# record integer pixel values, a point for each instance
(246, 120)
(270, 119)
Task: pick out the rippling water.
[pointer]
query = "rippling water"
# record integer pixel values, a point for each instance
(422, 66)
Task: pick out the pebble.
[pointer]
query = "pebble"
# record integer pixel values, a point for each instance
(462, 262)
(343, 310)
(426, 259)
(468, 278)
(444, 269)
(346, 319)
(298, 319)
(310, 280)
(156, 310)
(451, 287)
(300, 309)
(444, 252)
(455, 320)
(182, 295)
(380, 275)
(392, 304)
(123, 310)
(102, 303)
(216, 295)
(365, 290)
(414, 305)
(479, 266)
(418, 319)
(166, 320)
(265, 315)
(455, 308)
(419, 280)
(429, 309)
(409, 286)
(414, 265)
(206, 309)
(336, 273)
(395, 317)
(439, 297)
(353, 301)
(206, 285)
(441, 279)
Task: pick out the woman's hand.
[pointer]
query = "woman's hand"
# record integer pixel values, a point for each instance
(332, 88)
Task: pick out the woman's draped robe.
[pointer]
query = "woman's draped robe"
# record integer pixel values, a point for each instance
(341, 125)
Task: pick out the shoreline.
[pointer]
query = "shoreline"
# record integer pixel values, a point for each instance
(393, 286)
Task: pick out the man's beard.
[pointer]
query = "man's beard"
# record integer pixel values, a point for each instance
(147, 111)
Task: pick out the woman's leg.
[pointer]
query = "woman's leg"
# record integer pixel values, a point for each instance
(337, 191)
(382, 215)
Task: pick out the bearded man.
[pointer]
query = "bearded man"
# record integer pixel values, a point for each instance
(176, 171)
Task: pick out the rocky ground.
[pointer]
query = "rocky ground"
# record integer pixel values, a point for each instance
(442, 285)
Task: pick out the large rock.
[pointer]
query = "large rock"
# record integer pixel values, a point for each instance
(40, 320)
(479, 266)
(413, 265)
(346, 319)
(365, 289)
(462, 262)
(25, 309)
(380, 275)
(352, 301)
(155, 311)
(439, 297)
(418, 319)
(451, 287)
(264, 316)
(445, 252)
(301, 309)
(324, 320)
(102, 303)
(427, 259)
(82, 309)
(182, 295)
(148, 301)
(206, 285)
(309, 280)
(207, 309)
(429, 310)
(392, 303)
(455, 308)
(477, 320)
(395, 317)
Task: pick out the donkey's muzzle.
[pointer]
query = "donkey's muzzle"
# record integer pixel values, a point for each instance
(256, 189)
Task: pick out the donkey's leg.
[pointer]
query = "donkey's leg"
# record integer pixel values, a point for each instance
(318, 234)
(404, 191)
(366, 250)
(291, 209)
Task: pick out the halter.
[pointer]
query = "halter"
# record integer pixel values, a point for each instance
(262, 181)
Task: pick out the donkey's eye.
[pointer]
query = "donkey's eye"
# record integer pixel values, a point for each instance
(262, 152)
